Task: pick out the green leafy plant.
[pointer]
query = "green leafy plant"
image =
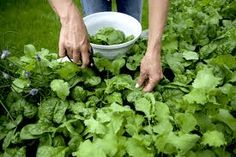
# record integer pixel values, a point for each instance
(50, 108)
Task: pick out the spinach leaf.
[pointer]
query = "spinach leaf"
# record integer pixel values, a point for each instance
(110, 36)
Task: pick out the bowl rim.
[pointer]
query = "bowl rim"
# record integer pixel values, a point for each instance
(116, 46)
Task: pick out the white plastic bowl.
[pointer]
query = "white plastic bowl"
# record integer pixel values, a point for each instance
(120, 21)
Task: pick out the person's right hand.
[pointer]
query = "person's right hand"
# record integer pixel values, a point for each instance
(73, 39)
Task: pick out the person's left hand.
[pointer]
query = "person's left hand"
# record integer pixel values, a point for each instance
(150, 71)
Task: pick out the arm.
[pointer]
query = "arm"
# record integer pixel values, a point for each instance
(73, 39)
(150, 68)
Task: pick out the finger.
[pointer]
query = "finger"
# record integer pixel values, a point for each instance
(150, 85)
(141, 80)
(69, 52)
(85, 58)
(62, 51)
(76, 56)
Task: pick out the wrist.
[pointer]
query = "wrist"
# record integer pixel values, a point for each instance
(154, 47)
(69, 14)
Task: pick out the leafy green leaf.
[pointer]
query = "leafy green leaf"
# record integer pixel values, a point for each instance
(119, 82)
(61, 88)
(169, 143)
(225, 117)
(134, 124)
(79, 94)
(33, 131)
(59, 111)
(213, 138)
(68, 70)
(29, 50)
(228, 60)
(93, 80)
(15, 152)
(116, 122)
(143, 105)
(19, 84)
(163, 127)
(117, 64)
(114, 97)
(196, 95)
(190, 55)
(47, 107)
(162, 112)
(186, 121)
(48, 151)
(109, 36)
(135, 148)
(206, 79)
(8, 139)
(88, 149)
(95, 126)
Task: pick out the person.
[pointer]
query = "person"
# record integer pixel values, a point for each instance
(74, 40)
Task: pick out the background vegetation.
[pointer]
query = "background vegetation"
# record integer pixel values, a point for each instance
(33, 21)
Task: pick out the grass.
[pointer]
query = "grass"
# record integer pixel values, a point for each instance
(33, 22)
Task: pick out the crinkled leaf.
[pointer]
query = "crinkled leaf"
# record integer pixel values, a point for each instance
(87, 149)
(225, 117)
(170, 42)
(134, 124)
(169, 143)
(228, 60)
(135, 148)
(186, 121)
(213, 138)
(95, 126)
(163, 127)
(119, 82)
(206, 79)
(233, 77)
(190, 55)
(114, 97)
(93, 80)
(196, 95)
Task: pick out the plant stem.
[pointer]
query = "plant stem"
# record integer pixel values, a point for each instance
(6, 110)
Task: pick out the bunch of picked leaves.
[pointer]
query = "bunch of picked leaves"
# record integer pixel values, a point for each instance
(109, 36)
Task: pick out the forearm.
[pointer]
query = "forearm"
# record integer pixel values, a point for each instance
(65, 9)
(157, 17)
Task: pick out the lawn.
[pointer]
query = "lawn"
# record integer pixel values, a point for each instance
(34, 22)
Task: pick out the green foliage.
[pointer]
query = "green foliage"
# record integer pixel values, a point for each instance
(60, 109)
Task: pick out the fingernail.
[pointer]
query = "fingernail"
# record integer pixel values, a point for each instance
(137, 85)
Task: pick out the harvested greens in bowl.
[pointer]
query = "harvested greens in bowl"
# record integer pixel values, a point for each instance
(110, 36)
